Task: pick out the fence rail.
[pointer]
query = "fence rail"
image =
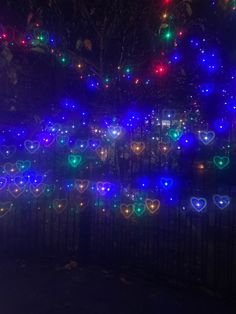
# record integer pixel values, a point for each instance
(188, 247)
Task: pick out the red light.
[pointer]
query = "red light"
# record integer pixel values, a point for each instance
(4, 35)
(23, 42)
(180, 33)
(167, 1)
(160, 69)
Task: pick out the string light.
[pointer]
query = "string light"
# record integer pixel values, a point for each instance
(151, 140)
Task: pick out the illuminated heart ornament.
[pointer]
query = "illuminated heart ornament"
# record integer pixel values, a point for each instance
(102, 153)
(74, 160)
(7, 151)
(94, 144)
(21, 181)
(23, 165)
(166, 183)
(3, 183)
(221, 201)
(137, 147)
(175, 134)
(62, 140)
(15, 190)
(10, 168)
(46, 139)
(139, 209)
(49, 189)
(221, 162)
(198, 203)
(114, 131)
(206, 137)
(38, 190)
(126, 210)
(164, 147)
(152, 205)
(5, 208)
(81, 145)
(81, 185)
(31, 146)
(103, 188)
(59, 205)
(81, 204)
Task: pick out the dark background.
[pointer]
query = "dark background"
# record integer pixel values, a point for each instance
(121, 33)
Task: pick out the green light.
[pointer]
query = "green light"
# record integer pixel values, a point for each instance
(35, 42)
(74, 160)
(98, 203)
(221, 162)
(139, 209)
(175, 134)
(23, 165)
(168, 35)
(128, 70)
(50, 188)
(63, 59)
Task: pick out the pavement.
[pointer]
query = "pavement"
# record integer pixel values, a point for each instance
(41, 288)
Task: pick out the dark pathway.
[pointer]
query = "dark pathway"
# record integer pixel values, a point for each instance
(27, 288)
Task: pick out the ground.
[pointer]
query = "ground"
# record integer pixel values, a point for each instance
(34, 288)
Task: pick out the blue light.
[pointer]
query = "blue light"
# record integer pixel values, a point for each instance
(209, 61)
(171, 199)
(132, 119)
(175, 58)
(19, 133)
(206, 89)
(231, 105)
(69, 185)
(187, 140)
(221, 126)
(68, 104)
(92, 84)
(52, 41)
(2, 139)
(143, 183)
(194, 43)
(166, 182)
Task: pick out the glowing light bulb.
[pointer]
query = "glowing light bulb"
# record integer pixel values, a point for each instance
(168, 35)
(165, 15)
